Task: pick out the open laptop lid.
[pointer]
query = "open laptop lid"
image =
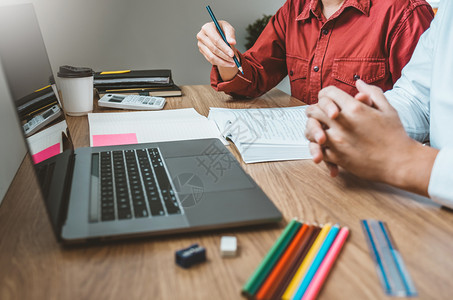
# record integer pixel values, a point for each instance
(32, 88)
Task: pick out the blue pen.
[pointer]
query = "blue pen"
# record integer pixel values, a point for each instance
(238, 64)
(316, 262)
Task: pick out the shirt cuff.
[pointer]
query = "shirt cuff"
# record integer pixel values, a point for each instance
(235, 85)
(441, 180)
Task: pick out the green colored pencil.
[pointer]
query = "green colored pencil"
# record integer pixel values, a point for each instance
(256, 280)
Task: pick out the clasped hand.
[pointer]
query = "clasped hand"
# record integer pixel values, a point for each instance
(362, 134)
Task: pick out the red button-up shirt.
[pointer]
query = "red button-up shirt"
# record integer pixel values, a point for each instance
(367, 39)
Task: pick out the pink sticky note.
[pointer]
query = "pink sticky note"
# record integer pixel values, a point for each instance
(46, 153)
(114, 139)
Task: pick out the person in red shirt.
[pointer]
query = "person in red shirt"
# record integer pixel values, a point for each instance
(318, 43)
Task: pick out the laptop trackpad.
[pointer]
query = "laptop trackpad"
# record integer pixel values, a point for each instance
(209, 173)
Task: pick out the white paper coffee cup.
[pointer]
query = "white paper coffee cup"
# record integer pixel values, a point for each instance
(76, 85)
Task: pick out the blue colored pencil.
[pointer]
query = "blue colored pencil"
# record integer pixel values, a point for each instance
(317, 261)
(236, 60)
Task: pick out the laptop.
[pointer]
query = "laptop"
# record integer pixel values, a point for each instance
(116, 192)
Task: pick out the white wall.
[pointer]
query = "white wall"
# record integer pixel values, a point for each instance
(124, 34)
(12, 147)
(140, 34)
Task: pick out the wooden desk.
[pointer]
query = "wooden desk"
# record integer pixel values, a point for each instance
(34, 266)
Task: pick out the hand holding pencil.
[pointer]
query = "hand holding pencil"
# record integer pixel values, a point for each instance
(216, 42)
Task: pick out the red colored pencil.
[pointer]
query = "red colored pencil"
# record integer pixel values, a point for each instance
(271, 283)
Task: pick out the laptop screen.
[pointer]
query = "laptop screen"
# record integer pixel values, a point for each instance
(31, 83)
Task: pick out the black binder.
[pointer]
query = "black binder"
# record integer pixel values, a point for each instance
(157, 82)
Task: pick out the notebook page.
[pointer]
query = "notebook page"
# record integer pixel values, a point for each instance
(47, 138)
(152, 126)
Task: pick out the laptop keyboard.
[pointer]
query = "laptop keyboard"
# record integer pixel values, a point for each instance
(135, 184)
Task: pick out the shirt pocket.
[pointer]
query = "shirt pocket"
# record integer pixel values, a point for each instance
(297, 73)
(349, 70)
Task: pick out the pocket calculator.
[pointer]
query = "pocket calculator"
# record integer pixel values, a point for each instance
(132, 102)
(41, 120)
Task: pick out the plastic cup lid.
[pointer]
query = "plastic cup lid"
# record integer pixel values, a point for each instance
(74, 72)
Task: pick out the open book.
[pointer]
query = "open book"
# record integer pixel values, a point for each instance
(264, 134)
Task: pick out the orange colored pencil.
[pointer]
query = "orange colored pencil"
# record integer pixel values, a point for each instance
(271, 283)
(305, 247)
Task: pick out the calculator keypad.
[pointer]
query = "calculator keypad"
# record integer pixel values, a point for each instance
(133, 99)
(138, 102)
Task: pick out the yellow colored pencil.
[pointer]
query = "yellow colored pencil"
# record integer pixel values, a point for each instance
(115, 72)
(300, 273)
(42, 88)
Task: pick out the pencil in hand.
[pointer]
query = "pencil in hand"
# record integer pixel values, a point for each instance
(219, 29)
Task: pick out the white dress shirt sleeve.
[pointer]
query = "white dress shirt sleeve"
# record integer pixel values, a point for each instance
(440, 187)
(423, 97)
(411, 93)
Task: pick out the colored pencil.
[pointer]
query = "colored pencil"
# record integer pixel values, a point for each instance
(289, 276)
(293, 285)
(290, 267)
(325, 267)
(266, 265)
(273, 279)
(317, 261)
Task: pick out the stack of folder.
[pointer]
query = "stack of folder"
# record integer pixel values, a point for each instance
(36, 103)
(298, 263)
(157, 82)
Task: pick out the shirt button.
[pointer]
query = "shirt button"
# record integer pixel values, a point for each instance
(316, 68)
(325, 31)
(291, 73)
(356, 77)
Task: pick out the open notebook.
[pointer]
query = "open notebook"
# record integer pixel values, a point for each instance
(120, 128)
(264, 134)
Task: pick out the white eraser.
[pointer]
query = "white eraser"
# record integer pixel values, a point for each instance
(228, 245)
